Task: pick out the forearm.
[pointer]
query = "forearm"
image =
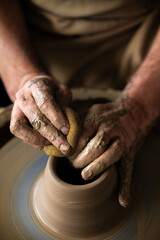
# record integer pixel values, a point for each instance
(144, 86)
(17, 58)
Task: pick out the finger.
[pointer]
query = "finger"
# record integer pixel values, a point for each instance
(44, 98)
(96, 146)
(43, 125)
(87, 133)
(94, 149)
(125, 173)
(19, 127)
(110, 156)
(72, 136)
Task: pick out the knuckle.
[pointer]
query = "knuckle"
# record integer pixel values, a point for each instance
(15, 126)
(117, 147)
(90, 124)
(45, 103)
(20, 97)
(95, 107)
(18, 94)
(64, 90)
(55, 137)
(39, 122)
(40, 83)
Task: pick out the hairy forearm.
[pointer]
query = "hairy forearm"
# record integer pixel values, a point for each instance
(17, 59)
(144, 86)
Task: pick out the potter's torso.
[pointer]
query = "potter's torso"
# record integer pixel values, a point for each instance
(83, 17)
(82, 42)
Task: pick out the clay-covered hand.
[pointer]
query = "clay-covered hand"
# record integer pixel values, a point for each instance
(111, 132)
(37, 116)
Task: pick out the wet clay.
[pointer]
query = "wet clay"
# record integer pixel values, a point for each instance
(67, 207)
(20, 165)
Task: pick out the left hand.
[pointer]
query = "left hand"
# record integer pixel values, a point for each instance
(111, 132)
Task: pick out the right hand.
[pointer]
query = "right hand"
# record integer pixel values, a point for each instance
(37, 116)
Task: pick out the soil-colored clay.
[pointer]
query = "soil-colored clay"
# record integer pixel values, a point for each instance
(16, 158)
(66, 206)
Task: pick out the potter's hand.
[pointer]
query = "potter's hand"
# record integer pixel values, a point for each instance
(111, 132)
(37, 118)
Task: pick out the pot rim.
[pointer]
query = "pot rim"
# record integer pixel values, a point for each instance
(58, 181)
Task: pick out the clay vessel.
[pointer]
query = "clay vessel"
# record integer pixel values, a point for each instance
(67, 207)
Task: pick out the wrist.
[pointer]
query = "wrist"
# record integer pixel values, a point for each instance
(15, 82)
(136, 111)
(142, 97)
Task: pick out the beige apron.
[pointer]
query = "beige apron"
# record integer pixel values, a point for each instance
(91, 43)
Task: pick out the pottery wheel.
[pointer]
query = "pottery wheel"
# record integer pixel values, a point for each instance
(19, 167)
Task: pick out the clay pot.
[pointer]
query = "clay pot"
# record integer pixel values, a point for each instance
(67, 207)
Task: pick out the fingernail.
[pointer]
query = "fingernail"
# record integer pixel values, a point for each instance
(123, 202)
(65, 130)
(86, 175)
(64, 148)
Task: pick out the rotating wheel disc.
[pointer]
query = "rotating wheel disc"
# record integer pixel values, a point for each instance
(20, 165)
